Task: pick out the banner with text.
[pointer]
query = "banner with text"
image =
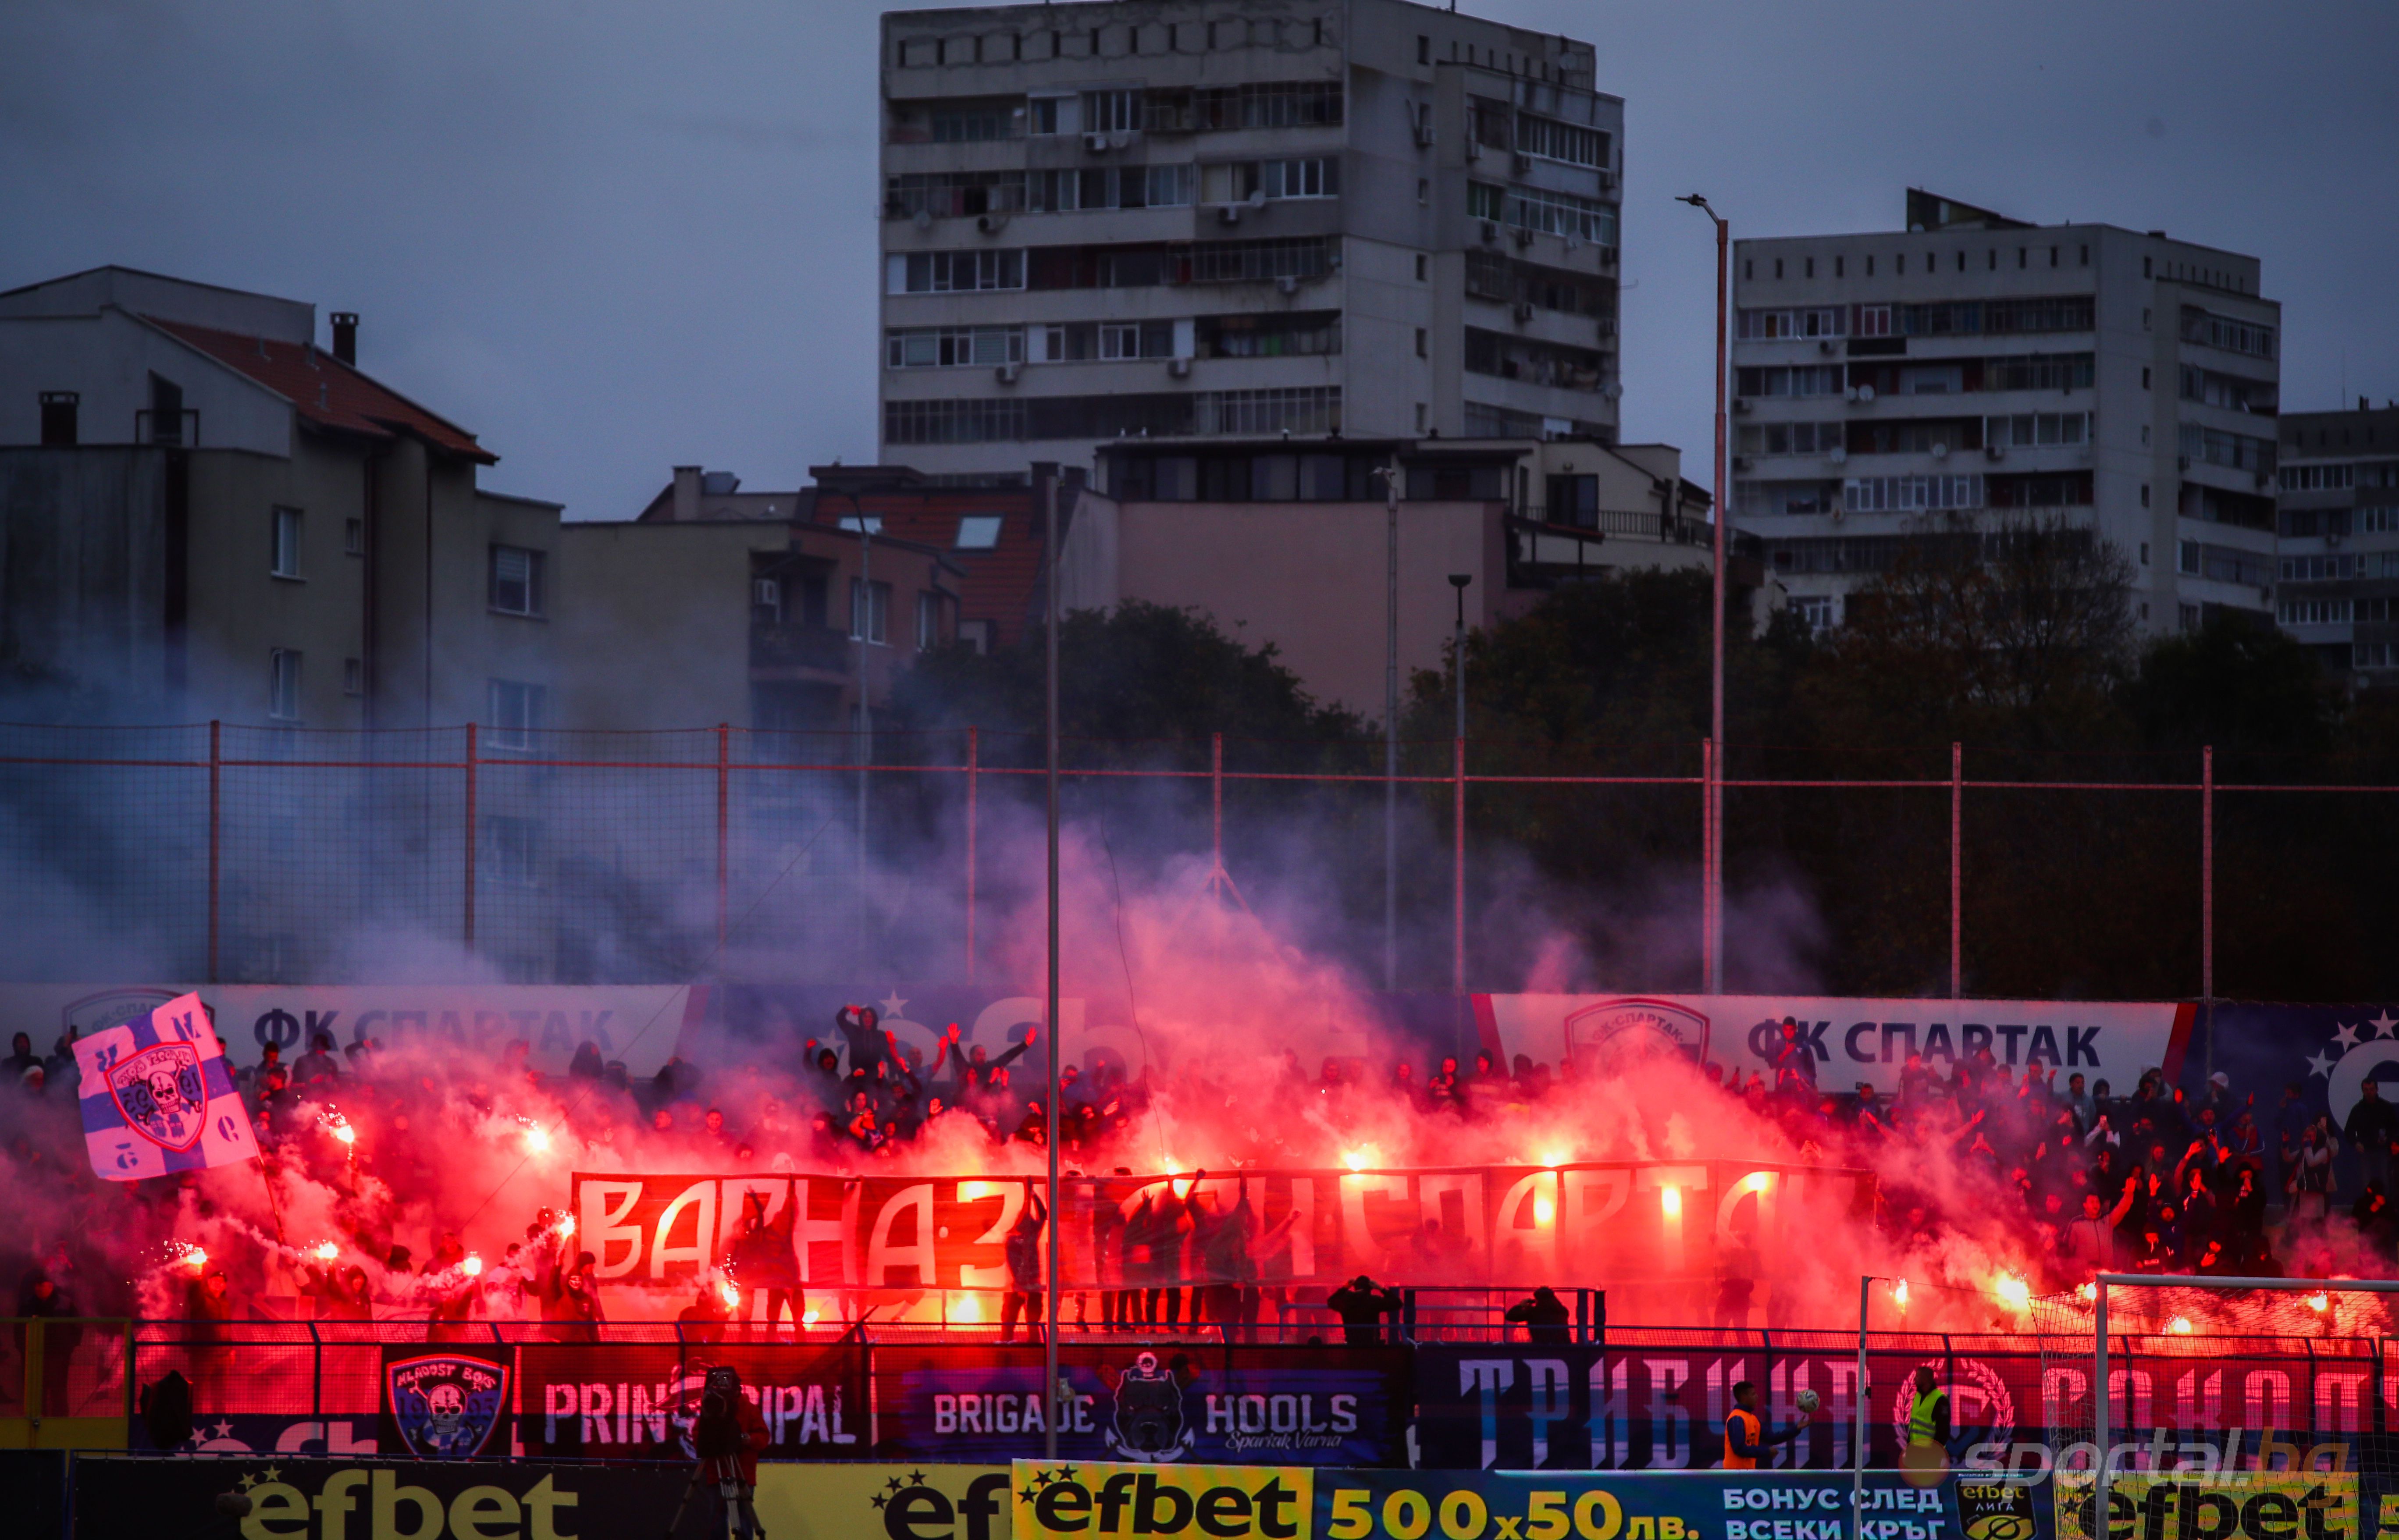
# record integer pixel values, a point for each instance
(1851, 1039)
(900, 1501)
(638, 1401)
(1155, 1404)
(1464, 1225)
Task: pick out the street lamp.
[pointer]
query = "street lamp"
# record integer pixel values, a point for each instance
(1457, 812)
(862, 620)
(1711, 814)
(1459, 581)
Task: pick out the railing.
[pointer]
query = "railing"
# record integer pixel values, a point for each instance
(794, 646)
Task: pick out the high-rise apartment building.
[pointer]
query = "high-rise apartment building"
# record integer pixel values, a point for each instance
(1187, 218)
(2338, 563)
(1973, 364)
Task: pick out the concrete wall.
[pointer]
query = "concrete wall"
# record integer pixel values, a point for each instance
(81, 576)
(655, 620)
(108, 358)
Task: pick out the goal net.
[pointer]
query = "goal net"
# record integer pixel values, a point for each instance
(2222, 1409)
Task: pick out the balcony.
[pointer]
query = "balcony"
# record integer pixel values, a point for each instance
(782, 645)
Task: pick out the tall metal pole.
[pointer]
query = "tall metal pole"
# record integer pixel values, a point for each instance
(1957, 858)
(1713, 903)
(1457, 810)
(2207, 897)
(863, 614)
(2100, 1528)
(1391, 475)
(1858, 1401)
(974, 772)
(1050, 1017)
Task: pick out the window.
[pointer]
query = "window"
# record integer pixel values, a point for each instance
(2215, 446)
(1424, 267)
(973, 123)
(2039, 371)
(1316, 177)
(514, 711)
(1806, 380)
(2209, 330)
(946, 347)
(1574, 501)
(978, 532)
(976, 634)
(954, 272)
(284, 559)
(1777, 499)
(59, 411)
(928, 620)
(2037, 430)
(1911, 493)
(1817, 612)
(1997, 317)
(1552, 140)
(848, 523)
(1136, 339)
(952, 194)
(1111, 112)
(2378, 520)
(354, 676)
(1421, 349)
(1167, 186)
(1551, 213)
(2313, 611)
(1790, 438)
(1424, 50)
(953, 422)
(1767, 325)
(1055, 114)
(1872, 321)
(2321, 569)
(354, 537)
(517, 580)
(1299, 408)
(283, 684)
(1424, 191)
(2318, 477)
(2225, 390)
(870, 611)
(511, 852)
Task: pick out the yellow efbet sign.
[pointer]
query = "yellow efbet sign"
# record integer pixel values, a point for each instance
(1086, 1502)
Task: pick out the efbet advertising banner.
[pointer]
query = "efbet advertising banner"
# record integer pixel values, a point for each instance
(1226, 1502)
(857, 1502)
(2189, 1504)
(118, 1496)
(1296, 1406)
(1851, 1039)
(638, 1400)
(1063, 1501)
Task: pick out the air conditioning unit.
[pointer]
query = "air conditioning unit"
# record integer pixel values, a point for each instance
(1230, 213)
(1424, 131)
(766, 593)
(990, 224)
(1825, 349)
(1096, 143)
(1523, 237)
(1006, 373)
(1287, 284)
(1995, 452)
(2265, 479)
(1839, 455)
(1473, 148)
(1490, 233)
(2182, 462)
(1740, 404)
(1179, 368)
(1520, 162)
(1741, 462)
(1524, 310)
(1608, 181)
(1607, 256)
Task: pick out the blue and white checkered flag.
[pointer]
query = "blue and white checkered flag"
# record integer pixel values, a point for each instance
(158, 1098)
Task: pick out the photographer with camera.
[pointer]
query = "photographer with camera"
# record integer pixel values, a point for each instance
(728, 1436)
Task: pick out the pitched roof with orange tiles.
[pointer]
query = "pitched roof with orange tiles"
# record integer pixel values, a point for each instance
(326, 391)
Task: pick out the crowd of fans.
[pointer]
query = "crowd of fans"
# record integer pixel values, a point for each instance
(2084, 1179)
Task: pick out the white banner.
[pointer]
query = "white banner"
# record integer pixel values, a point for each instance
(1852, 1040)
(637, 1024)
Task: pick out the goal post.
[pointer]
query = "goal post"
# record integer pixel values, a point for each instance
(2323, 1315)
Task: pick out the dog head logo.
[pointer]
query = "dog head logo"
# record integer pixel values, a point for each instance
(1148, 1424)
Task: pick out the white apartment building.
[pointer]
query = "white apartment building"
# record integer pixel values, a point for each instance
(1236, 218)
(2339, 562)
(1972, 362)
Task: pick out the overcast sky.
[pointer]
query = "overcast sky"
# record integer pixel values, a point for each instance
(611, 238)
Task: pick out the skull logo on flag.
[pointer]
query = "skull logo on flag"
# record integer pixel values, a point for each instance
(162, 1095)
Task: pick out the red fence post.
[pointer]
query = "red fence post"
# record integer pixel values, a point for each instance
(1216, 799)
(974, 762)
(724, 793)
(1707, 866)
(468, 926)
(216, 834)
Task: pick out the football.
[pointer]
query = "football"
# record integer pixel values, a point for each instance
(1807, 1402)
